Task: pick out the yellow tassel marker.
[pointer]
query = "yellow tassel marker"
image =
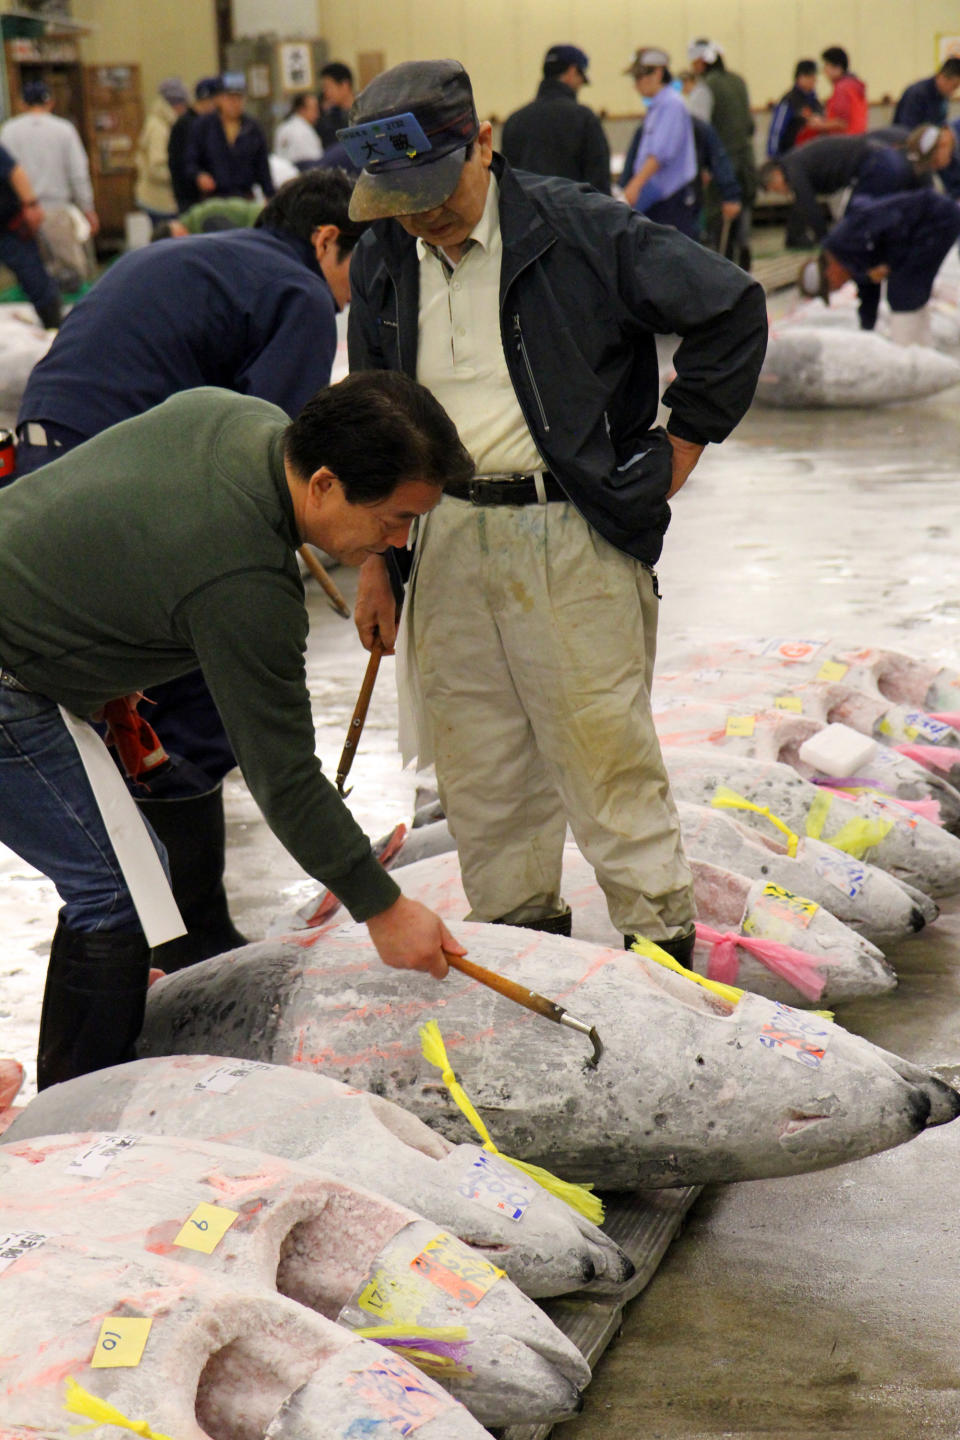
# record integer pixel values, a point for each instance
(579, 1197)
(81, 1402)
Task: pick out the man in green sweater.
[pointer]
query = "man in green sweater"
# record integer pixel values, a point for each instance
(166, 542)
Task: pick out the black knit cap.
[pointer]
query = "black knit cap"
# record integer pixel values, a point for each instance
(409, 131)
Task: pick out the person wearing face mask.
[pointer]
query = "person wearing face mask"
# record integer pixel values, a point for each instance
(253, 311)
(529, 305)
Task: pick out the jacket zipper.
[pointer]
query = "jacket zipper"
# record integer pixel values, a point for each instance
(522, 350)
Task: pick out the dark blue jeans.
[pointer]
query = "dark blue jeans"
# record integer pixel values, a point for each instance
(49, 817)
(21, 254)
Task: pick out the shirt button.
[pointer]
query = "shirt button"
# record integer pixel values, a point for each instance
(456, 285)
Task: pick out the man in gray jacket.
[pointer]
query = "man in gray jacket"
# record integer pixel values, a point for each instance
(529, 307)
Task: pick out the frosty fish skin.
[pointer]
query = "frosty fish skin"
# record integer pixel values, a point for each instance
(218, 1362)
(807, 368)
(342, 1251)
(344, 1132)
(689, 1090)
(858, 893)
(914, 851)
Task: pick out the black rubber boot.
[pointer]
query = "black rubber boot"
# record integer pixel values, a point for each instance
(680, 947)
(561, 924)
(93, 1003)
(194, 833)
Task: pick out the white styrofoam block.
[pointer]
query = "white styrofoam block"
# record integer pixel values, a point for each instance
(838, 751)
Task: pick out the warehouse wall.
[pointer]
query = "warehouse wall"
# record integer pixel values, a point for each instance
(891, 42)
(177, 37)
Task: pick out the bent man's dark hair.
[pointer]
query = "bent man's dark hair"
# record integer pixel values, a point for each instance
(805, 67)
(950, 67)
(836, 55)
(337, 72)
(318, 197)
(375, 429)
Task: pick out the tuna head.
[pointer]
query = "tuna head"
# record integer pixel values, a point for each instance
(689, 1090)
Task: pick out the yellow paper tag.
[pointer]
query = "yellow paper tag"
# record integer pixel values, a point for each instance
(206, 1228)
(793, 703)
(121, 1342)
(832, 670)
(798, 904)
(394, 1297)
(740, 724)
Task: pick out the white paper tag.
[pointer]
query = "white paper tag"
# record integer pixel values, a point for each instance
(139, 861)
(97, 1160)
(799, 1036)
(925, 725)
(496, 1187)
(16, 1243)
(225, 1077)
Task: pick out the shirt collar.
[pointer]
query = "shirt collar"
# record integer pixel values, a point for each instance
(486, 230)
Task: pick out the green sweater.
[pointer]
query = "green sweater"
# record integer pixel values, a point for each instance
(166, 542)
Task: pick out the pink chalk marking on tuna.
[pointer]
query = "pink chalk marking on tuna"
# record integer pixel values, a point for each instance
(792, 965)
(926, 809)
(11, 1078)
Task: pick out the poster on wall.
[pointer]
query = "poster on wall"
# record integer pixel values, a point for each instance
(296, 66)
(258, 82)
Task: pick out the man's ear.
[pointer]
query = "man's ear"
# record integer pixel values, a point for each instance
(320, 483)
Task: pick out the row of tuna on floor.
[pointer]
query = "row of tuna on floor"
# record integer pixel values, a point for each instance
(111, 1182)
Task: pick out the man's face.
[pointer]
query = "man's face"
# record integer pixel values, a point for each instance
(945, 147)
(452, 221)
(649, 81)
(310, 109)
(337, 93)
(947, 84)
(807, 82)
(832, 72)
(230, 104)
(836, 273)
(352, 533)
(334, 267)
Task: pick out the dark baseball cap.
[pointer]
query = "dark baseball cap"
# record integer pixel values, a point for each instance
(206, 88)
(408, 135)
(560, 57)
(36, 92)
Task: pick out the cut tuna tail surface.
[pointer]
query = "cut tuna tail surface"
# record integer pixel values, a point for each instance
(543, 1245)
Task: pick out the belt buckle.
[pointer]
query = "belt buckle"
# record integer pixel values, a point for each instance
(475, 491)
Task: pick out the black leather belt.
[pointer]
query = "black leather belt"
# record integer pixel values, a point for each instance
(520, 490)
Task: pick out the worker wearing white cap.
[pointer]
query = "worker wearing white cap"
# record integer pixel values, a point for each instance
(665, 165)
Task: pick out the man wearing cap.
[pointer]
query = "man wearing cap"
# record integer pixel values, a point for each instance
(837, 164)
(554, 135)
(901, 239)
(661, 184)
(185, 190)
(530, 307)
(226, 150)
(154, 188)
(50, 150)
(731, 117)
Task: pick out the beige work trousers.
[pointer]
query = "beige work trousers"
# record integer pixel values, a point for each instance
(534, 641)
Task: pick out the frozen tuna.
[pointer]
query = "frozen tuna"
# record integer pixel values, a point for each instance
(908, 847)
(864, 897)
(690, 1089)
(172, 1348)
(808, 368)
(352, 1256)
(545, 1247)
(740, 726)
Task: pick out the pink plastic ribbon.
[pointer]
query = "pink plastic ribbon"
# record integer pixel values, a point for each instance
(948, 717)
(928, 809)
(932, 757)
(791, 965)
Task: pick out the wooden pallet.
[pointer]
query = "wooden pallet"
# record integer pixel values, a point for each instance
(643, 1225)
(777, 272)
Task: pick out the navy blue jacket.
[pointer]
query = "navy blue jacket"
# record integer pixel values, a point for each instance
(555, 135)
(921, 104)
(237, 167)
(911, 233)
(247, 310)
(950, 176)
(788, 120)
(586, 285)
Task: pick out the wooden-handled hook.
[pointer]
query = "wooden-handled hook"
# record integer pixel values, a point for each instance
(355, 728)
(529, 999)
